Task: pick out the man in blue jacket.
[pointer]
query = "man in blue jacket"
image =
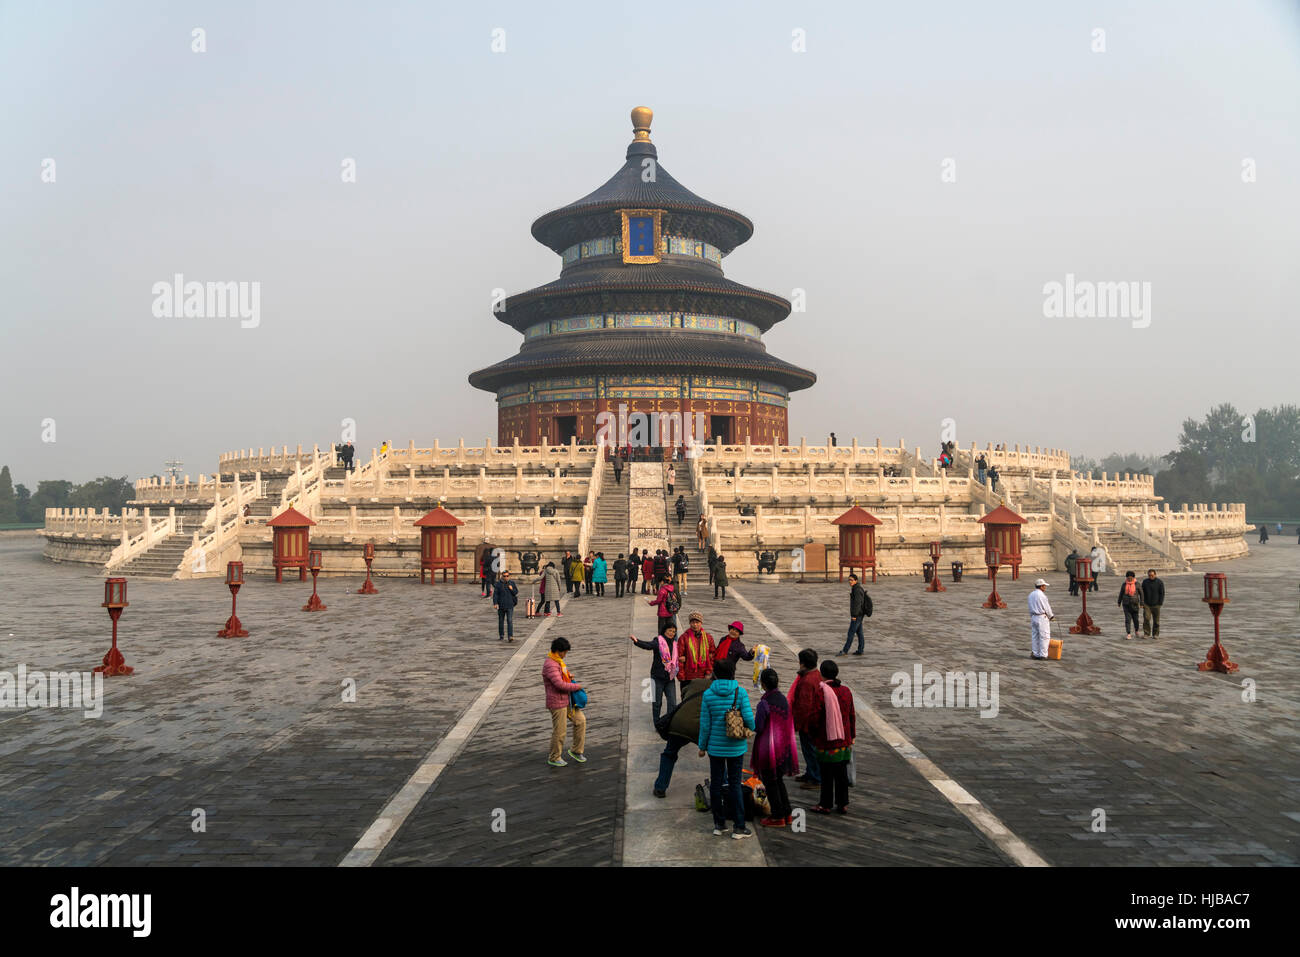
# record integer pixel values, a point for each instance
(726, 754)
(504, 598)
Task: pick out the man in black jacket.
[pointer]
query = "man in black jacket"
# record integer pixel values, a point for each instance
(504, 598)
(859, 608)
(1153, 596)
(565, 564)
(620, 575)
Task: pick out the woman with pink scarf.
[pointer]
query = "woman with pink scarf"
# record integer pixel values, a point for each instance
(664, 667)
(775, 755)
(833, 740)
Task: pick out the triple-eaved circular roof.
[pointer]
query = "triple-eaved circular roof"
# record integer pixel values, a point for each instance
(604, 284)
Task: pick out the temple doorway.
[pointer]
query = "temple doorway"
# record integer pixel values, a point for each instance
(566, 427)
(720, 428)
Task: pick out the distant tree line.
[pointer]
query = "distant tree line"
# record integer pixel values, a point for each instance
(1117, 463)
(1231, 457)
(1225, 457)
(18, 505)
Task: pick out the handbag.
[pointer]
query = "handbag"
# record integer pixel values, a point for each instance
(578, 699)
(853, 770)
(735, 721)
(702, 796)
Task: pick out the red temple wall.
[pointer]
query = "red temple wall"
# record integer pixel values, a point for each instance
(764, 424)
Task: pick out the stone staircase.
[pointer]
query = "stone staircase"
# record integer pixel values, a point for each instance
(160, 561)
(1125, 553)
(266, 507)
(610, 533)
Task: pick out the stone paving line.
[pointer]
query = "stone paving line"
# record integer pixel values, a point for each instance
(988, 824)
(1185, 771)
(399, 808)
(499, 803)
(669, 831)
(252, 730)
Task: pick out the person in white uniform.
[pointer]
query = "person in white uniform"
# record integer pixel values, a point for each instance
(1040, 617)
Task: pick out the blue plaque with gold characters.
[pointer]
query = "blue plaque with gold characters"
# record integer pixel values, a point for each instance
(641, 239)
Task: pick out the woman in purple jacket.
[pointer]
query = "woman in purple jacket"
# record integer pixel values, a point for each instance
(774, 748)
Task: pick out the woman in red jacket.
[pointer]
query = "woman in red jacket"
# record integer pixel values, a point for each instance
(647, 572)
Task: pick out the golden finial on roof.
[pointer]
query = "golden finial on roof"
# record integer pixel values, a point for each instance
(641, 119)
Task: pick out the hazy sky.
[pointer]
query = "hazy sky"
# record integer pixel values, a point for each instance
(925, 298)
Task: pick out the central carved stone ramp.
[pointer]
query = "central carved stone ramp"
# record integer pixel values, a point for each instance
(697, 572)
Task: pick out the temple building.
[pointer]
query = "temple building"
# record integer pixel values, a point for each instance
(642, 319)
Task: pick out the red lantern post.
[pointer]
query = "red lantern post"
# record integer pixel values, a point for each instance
(314, 603)
(1083, 575)
(234, 578)
(1216, 596)
(993, 559)
(114, 600)
(935, 584)
(368, 553)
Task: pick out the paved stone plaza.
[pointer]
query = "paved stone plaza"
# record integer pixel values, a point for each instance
(256, 734)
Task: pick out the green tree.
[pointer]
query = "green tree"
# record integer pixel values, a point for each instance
(1220, 441)
(1187, 479)
(23, 500)
(8, 501)
(51, 493)
(103, 492)
(1233, 458)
